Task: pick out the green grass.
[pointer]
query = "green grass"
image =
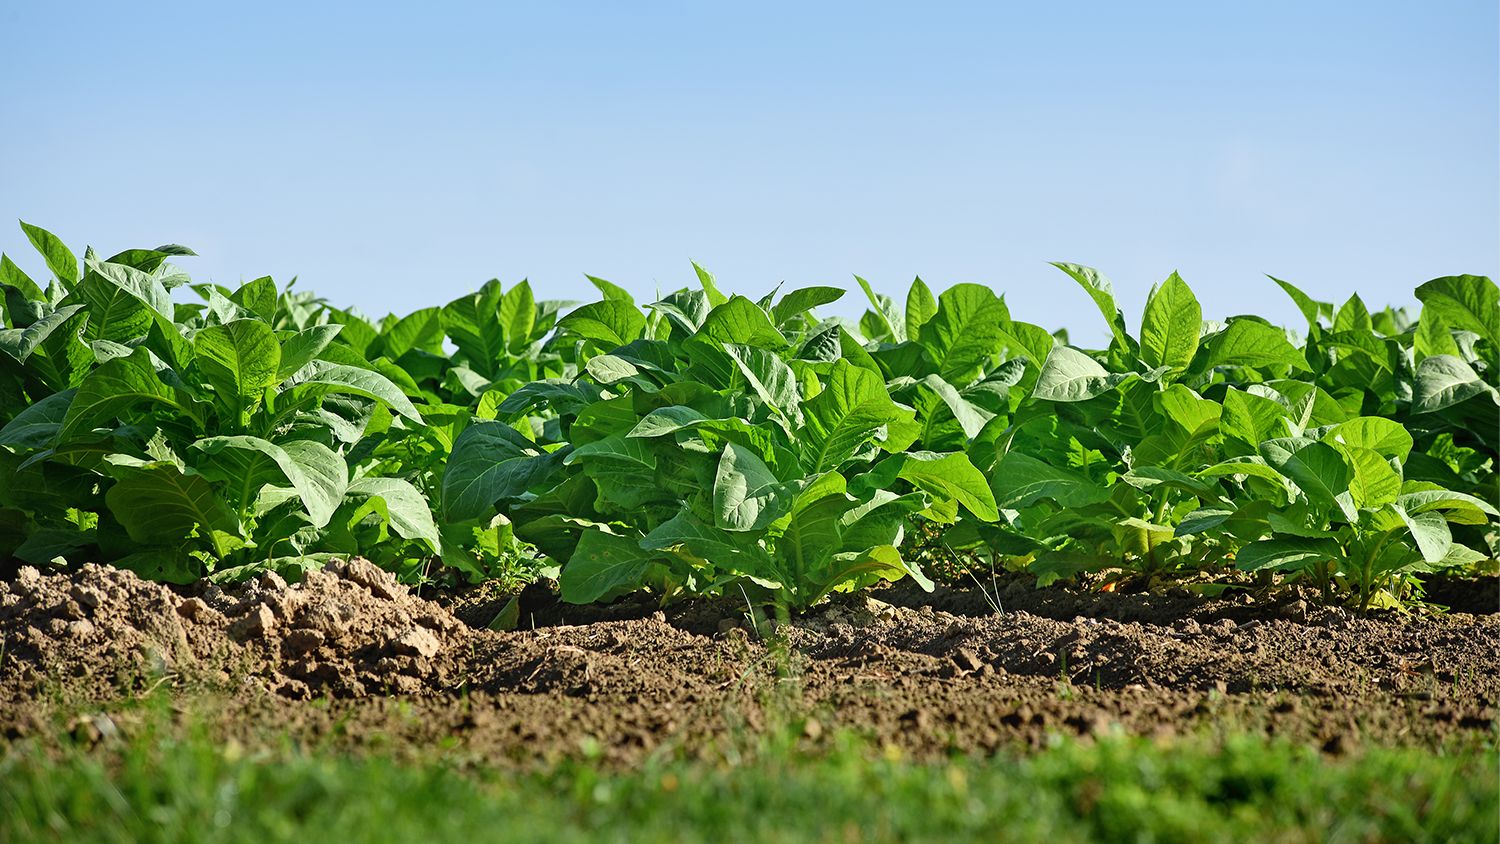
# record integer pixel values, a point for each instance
(170, 784)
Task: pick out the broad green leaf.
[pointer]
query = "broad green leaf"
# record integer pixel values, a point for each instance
(1310, 307)
(473, 323)
(1286, 554)
(491, 463)
(971, 418)
(38, 424)
(610, 324)
(246, 464)
(1321, 473)
(742, 322)
(240, 358)
(892, 327)
(710, 288)
(1443, 381)
(1373, 482)
(33, 336)
(517, 317)
(59, 258)
(602, 566)
(848, 413)
(158, 503)
(1069, 375)
(746, 494)
(1433, 336)
(951, 476)
(1252, 419)
(258, 297)
(421, 330)
(1021, 481)
(804, 299)
(920, 307)
(1171, 325)
(113, 388)
(1353, 316)
(322, 377)
(770, 378)
(1102, 292)
(1469, 302)
(301, 348)
(1431, 533)
(1248, 342)
(409, 513)
(1383, 436)
(610, 290)
(966, 332)
(883, 561)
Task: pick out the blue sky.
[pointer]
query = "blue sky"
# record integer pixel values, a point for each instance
(395, 159)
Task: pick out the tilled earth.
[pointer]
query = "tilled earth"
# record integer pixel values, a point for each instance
(352, 657)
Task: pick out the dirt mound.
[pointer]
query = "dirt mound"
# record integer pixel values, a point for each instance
(346, 631)
(951, 676)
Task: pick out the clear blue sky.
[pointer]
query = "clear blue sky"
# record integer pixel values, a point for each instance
(395, 159)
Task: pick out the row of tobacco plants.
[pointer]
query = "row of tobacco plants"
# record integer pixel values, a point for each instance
(709, 443)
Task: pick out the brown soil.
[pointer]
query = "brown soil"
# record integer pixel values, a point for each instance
(930, 674)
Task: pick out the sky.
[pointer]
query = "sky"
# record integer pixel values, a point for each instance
(393, 159)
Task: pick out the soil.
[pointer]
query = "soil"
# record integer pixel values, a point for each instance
(350, 656)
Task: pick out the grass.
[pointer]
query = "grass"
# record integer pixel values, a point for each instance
(169, 782)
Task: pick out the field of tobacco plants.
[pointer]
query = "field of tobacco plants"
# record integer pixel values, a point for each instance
(716, 532)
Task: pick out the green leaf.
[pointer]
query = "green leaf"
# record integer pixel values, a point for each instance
(965, 333)
(517, 317)
(1321, 473)
(111, 389)
(240, 358)
(1021, 480)
(920, 307)
(59, 258)
(1252, 419)
(951, 477)
(610, 290)
(1383, 436)
(740, 321)
(473, 323)
(1286, 554)
(971, 418)
(37, 425)
(1249, 342)
(34, 335)
(610, 324)
(1431, 533)
(891, 325)
(409, 513)
(771, 379)
(1171, 325)
(158, 503)
(300, 349)
(1102, 292)
(804, 299)
(1069, 375)
(847, 414)
(602, 567)
(1353, 316)
(246, 464)
(491, 463)
(1443, 381)
(1373, 482)
(706, 278)
(1468, 302)
(321, 377)
(747, 495)
(1309, 306)
(258, 297)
